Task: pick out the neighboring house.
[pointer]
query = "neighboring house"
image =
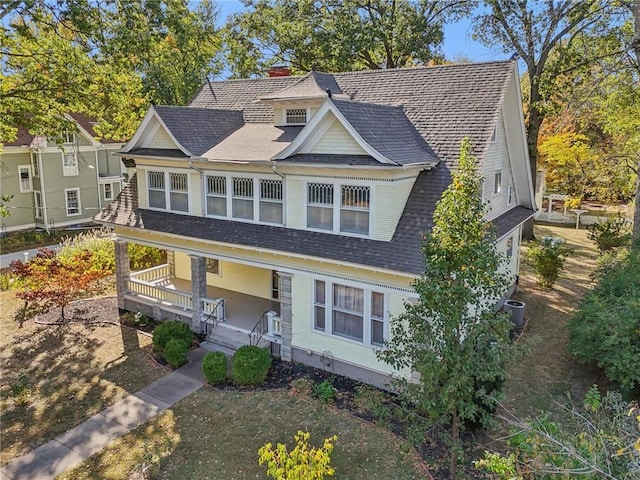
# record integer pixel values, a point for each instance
(307, 197)
(58, 185)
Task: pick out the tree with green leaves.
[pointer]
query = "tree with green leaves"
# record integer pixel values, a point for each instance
(452, 337)
(337, 36)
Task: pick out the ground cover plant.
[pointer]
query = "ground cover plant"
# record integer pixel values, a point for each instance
(54, 378)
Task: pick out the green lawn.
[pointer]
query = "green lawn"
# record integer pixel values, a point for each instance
(216, 434)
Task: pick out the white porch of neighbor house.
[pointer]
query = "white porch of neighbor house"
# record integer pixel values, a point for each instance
(227, 317)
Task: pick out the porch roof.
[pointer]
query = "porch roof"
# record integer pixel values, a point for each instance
(401, 254)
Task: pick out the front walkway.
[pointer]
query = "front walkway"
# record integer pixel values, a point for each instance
(69, 449)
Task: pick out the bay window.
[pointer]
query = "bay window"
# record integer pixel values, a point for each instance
(354, 313)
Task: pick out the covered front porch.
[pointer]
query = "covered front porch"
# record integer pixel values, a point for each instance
(229, 317)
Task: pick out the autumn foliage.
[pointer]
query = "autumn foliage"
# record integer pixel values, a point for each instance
(50, 281)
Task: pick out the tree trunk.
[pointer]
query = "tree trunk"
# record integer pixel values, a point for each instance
(455, 436)
(533, 130)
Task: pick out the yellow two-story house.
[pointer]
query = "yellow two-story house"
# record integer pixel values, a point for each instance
(292, 208)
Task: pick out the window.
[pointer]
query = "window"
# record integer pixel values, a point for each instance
(108, 191)
(37, 201)
(354, 210)
(355, 313)
(319, 306)
(69, 164)
(72, 201)
(509, 194)
(176, 196)
(34, 166)
(242, 199)
(497, 183)
(510, 247)
(320, 206)
(68, 137)
(212, 265)
(296, 116)
(217, 196)
(24, 174)
(275, 285)
(271, 201)
(157, 197)
(179, 192)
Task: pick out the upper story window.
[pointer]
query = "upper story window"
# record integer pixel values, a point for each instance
(253, 199)
(68, 137)
(24, 174)
(37, 200)
(69, 164)
(296, 116)
(497, 183)
(176, 197)
(349, 215)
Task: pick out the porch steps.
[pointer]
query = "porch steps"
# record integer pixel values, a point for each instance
(216, 347)
(231, 339)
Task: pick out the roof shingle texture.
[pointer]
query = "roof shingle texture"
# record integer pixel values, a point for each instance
(388, 131)
(199, 129)
(312, 85)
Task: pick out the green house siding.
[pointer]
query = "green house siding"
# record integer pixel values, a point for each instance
(21, 205)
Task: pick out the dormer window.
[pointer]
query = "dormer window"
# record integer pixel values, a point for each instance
(296, 116)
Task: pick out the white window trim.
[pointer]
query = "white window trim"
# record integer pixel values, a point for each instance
(229, 176)
(167, 189)
(328, 312)
(284, 114)
(104, 191)
(497, 187)
(337, 198)
(34, 165)
(68, 171)
(509, 195)
(66, 202)
(22, 168)
(37, 203)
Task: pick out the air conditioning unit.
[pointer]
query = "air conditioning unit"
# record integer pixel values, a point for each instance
(516, 309)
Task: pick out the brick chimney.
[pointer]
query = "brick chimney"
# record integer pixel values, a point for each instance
(279, 71)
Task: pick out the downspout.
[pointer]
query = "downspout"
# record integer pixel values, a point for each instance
(284, 196)
(43, 194)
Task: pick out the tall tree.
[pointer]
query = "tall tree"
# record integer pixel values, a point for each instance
(452, 337)
(332, 35)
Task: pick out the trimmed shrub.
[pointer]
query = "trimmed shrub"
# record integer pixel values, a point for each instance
(605, 328)
(251, 365)
(547, 260)
(214, 367)
(168, 330)
(175, 352)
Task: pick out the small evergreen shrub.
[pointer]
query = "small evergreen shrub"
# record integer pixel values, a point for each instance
(214, 367)
(547, 260)
(251, 365)
(610, 234)
(325, 391)
(168, 330)
(175, 352)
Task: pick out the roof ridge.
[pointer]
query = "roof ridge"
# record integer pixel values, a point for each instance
(423, 67)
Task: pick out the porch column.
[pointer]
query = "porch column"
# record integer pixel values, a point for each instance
(122, 269)
(198, 289)
(171, 261)
(285, 315)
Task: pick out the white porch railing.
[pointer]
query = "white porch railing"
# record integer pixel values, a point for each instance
(151, 274)
(162, 294)
(213, 309)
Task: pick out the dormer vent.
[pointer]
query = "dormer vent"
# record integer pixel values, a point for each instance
(296, 116)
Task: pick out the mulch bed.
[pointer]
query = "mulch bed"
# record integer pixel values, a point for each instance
(92, 311)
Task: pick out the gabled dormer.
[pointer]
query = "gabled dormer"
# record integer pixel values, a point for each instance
(297, 103)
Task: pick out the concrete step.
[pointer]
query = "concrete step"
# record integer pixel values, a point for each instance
(216, 347)
(228, 338)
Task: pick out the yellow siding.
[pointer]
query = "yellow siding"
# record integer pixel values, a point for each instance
(233, 276)
(306, 339)
(389, 200)
(195, 194)
(143, 201)
(295, 203)
(337, 140)
(161, 139)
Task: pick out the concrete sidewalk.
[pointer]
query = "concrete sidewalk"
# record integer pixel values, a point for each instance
(69, 449)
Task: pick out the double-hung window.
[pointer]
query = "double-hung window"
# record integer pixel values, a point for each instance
(168, 189)
(242, 199)
(37, 200)
(354, 209)
(509, 195)
(320, 206)
(72, 201)
(349, 312)
(108, 191)
(271, 201)
(217, 196)
(347, 213)
(497, 183)
(24, 174)
(69, 163)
